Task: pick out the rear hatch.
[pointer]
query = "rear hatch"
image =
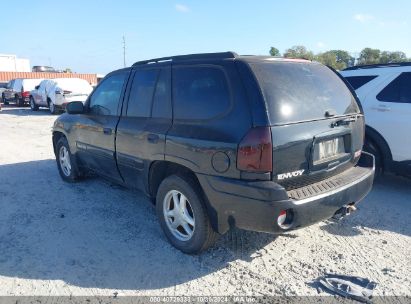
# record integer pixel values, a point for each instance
(317, 126)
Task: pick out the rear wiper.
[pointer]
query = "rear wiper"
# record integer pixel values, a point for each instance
(344, 121)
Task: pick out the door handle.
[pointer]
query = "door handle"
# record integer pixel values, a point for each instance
(153, 138)
(107, 131)
(382, 108)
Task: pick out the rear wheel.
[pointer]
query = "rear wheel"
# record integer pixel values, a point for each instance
(183, 216)
(371, 147)
(18, 101)
(33, 105)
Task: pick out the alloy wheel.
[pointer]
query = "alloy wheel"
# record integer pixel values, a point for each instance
(179, 215)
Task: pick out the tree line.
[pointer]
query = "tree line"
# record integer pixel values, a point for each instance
(340, 59)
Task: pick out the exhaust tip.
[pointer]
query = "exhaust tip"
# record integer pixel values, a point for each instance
(285, 219)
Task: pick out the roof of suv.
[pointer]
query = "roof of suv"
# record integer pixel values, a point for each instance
(221, 55)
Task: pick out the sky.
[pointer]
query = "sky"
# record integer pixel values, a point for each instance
(87, 35)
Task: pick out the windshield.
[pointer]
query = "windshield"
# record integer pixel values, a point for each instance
(302, 91)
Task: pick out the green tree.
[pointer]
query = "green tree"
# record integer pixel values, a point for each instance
(369, 56)
(338, 59)
(299, 51)
(390, 57)
(274, 52)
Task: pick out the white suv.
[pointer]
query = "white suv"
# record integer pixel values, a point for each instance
(385, 94)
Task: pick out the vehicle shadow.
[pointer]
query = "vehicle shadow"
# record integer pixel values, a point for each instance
(386, 207)
(22, 111)
(95, 234)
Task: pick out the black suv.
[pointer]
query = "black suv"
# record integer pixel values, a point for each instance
(220, 140)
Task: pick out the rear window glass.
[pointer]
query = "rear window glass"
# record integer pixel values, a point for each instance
(302, 91)
(358, 81)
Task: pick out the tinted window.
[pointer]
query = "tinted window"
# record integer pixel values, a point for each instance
(399, 90)
(302, 91)
(200, 92)
(142, 92)
(358, 81)
(162, 95)
(105, 99)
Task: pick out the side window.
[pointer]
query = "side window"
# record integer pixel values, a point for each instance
(358, 81)
(105, 98)
(142, 92)
(162, 96)
(399, 90)
(200, 92)
(10, 84)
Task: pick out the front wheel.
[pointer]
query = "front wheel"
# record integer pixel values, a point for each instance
(52, 107)
(183, 216)
(66, 162)
(33, 105)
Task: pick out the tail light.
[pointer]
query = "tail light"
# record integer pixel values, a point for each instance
(25, 94)
(255, 151)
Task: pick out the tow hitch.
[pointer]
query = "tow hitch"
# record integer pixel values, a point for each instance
(344, 211)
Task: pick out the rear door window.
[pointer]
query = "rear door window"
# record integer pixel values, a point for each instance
(200, 92)
(358, 81)
(302, 91)
(399, 90)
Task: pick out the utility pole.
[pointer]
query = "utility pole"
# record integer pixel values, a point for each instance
(124, 50)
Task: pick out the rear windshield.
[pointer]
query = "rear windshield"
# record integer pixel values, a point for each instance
(302, 91)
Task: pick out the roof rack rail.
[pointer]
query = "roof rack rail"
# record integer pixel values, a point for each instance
(222, 55)
(378, 65)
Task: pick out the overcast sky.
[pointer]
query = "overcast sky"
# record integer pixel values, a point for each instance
(86, 36)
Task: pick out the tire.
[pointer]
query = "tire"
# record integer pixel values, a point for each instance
(202, 235)
(52, 107)
(33, 105)
(371, 147)
(66, 162)
(4, 99)
(17, 101)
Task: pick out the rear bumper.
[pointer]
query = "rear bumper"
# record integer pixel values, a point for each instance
(255, 205)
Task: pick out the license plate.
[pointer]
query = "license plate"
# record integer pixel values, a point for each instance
(329, 149)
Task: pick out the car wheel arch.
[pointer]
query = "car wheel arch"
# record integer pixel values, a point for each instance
(381, 143)
(160, 170)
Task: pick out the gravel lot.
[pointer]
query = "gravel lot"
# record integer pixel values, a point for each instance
(96, 238)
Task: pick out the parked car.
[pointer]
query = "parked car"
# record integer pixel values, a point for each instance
(385, 95)
(220, 141)
(56, 93)
(43, 68)
(18, 91)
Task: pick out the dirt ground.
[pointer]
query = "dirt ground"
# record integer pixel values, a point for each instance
(96, 238)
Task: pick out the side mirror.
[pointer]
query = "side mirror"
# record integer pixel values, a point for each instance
(75, 107)
(36, 87)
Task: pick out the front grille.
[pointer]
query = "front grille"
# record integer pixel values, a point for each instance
(328, 184)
